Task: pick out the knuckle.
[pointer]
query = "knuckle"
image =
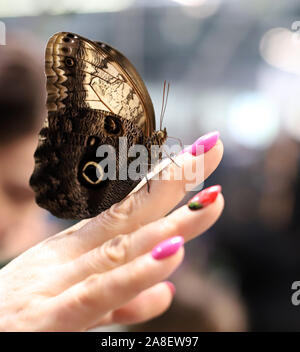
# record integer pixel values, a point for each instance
(126, 207)
(85, 298)
(118, 212)
(116, 250)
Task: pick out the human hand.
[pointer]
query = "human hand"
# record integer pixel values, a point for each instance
(104, 270)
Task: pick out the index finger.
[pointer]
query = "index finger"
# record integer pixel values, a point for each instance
(143, 207)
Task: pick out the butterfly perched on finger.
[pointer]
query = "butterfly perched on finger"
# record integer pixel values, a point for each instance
(95, 96)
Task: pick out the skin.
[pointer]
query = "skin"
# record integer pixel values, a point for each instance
(101, 270)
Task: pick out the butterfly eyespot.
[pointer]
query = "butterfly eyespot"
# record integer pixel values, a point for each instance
(113, 125)
(92, 173)
(69, 62)
(70, 35)
(66, 39)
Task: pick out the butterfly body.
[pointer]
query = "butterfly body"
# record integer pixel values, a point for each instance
(95, 96)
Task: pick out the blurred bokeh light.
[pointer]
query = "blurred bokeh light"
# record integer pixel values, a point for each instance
(253, 120)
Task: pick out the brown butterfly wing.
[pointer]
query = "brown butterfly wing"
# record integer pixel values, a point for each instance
(147, 121)
(104, 80)
(86, 86)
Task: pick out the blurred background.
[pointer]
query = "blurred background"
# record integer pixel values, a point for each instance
(233, 66)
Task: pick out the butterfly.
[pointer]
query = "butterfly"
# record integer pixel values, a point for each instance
(95, 96)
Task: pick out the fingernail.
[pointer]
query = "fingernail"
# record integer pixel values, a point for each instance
(171, 287)
(203, 144)
(167, 247)
(204, 198)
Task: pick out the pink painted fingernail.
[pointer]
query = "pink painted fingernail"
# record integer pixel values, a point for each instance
(203, 144)
(171, 287)
(167, 247)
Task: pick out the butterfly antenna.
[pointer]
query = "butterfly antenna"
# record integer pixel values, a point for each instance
(162, 106)
(164, 102)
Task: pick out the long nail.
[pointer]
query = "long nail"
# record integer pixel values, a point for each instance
(204, 198)
(167, 247)
(203, 144)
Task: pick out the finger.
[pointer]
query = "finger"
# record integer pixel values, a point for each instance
(125, 248)
(142, 207)
(70, 230)
(81, 305)
(147, 305)
(183, 221)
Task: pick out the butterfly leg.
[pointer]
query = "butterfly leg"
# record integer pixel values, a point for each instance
(170, 157)
(174, 161)
(148, 184)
